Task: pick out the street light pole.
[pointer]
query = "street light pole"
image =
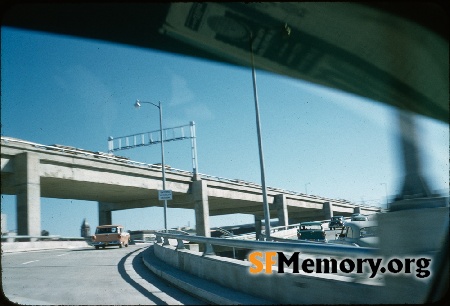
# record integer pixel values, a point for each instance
(306, 187)
(261, 156)
(159, 106)
(286, 33)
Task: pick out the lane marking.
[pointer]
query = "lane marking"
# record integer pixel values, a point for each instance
(26, 263)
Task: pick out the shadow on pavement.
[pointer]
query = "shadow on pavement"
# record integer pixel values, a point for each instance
(162, 285)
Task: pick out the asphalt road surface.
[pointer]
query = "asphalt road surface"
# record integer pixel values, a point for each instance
(331, 234)
(110, 276)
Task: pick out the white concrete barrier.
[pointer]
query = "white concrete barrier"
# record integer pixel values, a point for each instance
(286, 288)
(8, 247)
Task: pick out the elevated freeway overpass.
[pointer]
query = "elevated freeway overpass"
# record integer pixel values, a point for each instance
(31, 171)
(387, 52)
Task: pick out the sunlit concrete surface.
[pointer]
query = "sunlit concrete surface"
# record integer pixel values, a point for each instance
(32, 171)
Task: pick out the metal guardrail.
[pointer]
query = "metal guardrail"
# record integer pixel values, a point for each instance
(273, 229)
(175, 231)
(308, 248)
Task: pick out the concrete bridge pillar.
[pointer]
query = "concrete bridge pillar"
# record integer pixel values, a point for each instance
(28, 183)
(104, 214)
(258, 227)
(201, 205)
(328, 210)
(280, 204)
(356, 210)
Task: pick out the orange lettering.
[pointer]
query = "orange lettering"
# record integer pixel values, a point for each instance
(270, 261)
(258, 265)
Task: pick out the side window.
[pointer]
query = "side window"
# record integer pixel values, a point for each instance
(349, 232)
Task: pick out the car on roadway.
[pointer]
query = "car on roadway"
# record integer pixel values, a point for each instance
(110, 235)
(358, 233)
(312, 231)
(336, 222)
(359, 217)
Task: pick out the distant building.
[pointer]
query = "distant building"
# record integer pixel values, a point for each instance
(85, 229)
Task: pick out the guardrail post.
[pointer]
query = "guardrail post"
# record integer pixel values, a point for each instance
(258, 227)
(166, 241)
(208, 250)
(158, 238)
(180, 245)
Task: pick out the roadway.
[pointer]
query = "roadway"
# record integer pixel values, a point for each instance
(86, 276)
(331, 234)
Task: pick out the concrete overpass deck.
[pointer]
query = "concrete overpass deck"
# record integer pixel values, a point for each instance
(30, 171)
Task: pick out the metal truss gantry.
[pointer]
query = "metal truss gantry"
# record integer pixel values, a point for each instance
(153, 137)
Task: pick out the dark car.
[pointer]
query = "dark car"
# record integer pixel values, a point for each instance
(336, 222)
(359, 217)
(312, 231)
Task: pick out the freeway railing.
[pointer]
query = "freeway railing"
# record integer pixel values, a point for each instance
(275, 232)
(308, 248)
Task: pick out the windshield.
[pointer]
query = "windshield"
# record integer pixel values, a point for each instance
(99, 83)
(304, 100)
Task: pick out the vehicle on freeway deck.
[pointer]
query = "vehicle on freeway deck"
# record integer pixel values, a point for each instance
(336, 222)
(110, 235)
(359, 217)
(312, 231)
(358, 233)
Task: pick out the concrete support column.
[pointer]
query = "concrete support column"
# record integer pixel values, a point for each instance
(201, 205)
(356, 210)
(282, 212)
(104, 214)
(27, 180)
(328, 210)
(258, 227)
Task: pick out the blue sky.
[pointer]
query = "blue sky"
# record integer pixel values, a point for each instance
(75, 92)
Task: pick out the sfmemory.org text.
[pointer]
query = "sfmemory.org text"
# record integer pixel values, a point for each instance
(265, 261)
